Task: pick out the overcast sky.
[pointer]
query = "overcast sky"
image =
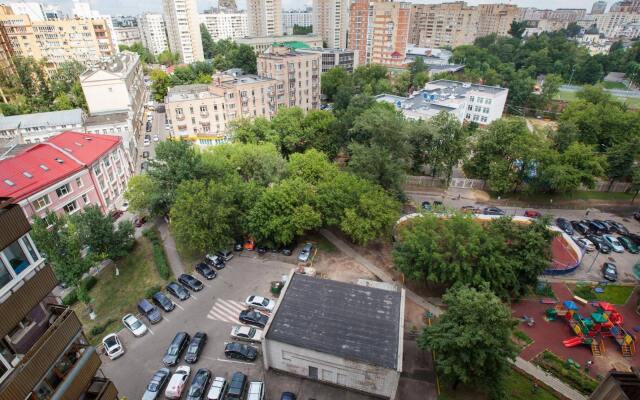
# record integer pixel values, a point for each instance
(133, 7)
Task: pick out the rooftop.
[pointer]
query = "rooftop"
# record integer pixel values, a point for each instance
(353, 322)
(43, 164)
(121, 64)
(325, 51)
(46, 119)
(110, 118)
(189, 92)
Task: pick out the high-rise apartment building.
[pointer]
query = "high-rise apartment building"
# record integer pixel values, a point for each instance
(227, 6)
(445, 24)
(629, 6)
(298, 76)
(331, 21)
(496, 18)
(82, 9)
(225, 25)
(264, 17)
(153, 32)
(43, 352)
(379, 31)
(611, 24)
(183, 29)
(34, 10)
(599, 7)
(291, 18)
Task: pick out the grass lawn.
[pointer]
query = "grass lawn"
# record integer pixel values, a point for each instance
(114, 296)
(571, 96)
(614, 294)
(614, 85)
(518, 388)
(544, 198)
(521, 339)
(570, 375)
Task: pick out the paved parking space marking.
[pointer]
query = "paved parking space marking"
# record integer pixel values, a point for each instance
(194, 297)
(179, 306)
(165, 317)
(150, 331)
(226, 310)
(234, 361)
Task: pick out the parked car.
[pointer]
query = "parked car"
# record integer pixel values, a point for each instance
(113, 346)
(565, 225)
(635, 238)
(146, 143)
(205, 270)
(246, 333)
(133, 324)
(175, 349)
(115, 214)
(255, 391)
(610, 271)
(253, 317)
(214, 261)
(218, 388)
(191, 282)
(240, 351)
(139, 221)
(156, 138)
(580, 227)
(237, 386)
(199, 384)
(493, 211)
(610, 228)
(585, 244)
(161, 300)
(262, 250)
(178, 382)
(249, 245)
(287, 249)
(260, 303)
(426, 205)
(600, 244)
(636, 215)
(178, 291)
(148, 127)
(288, 396)
(596, 227)
(238, 245)
(613, 243)
(617, 227)
(149, 311)
(532, 214)
(628, 244)
(155, 385)
(195, 347)
(305, 253)
(145, 154)
(225, 254)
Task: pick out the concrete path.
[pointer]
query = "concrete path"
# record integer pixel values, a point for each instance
(170, 248)
(520, 363)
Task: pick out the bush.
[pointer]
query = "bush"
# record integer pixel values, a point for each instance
(159, 258)
(570, 375)
(100, 328)
(71, 298)
(586, 292)
(522, 336)
(89, 283)
(152, 290)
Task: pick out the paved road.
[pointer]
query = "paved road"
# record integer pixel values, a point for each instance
(170, 248)
(157, 129)
(614, 92)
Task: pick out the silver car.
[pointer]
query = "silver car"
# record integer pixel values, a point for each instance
(305, 253)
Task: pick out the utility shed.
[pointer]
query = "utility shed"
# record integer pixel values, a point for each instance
(339, 333)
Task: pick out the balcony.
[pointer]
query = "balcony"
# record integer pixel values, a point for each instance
(53, 349)
(14, 224)
(204, 114)
(101, 389)
(180, 117)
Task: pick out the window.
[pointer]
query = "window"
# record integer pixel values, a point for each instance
(204, 109)
(485, 110)
(107, 162)
(96, 169)
(16, 257)
(470, 107)
(5, 277)
(42, 202)
(483, 119)
(478, 108)
(63, 190)
(70, 207)
(85, 198)
(32, 251)
(476, 117)
(472, 98)
(487, 101)
(178, 111)
(79, 182)
(480, 100)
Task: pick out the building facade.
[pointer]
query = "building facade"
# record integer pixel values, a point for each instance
(611, 24)
(225, 25)
(598, 7)
(38, 127)
(264, 17)
(290, 18)
(183, 29)
(153, 32)
(496, 18)
(127, 35)
(263, 43)
(445, 24)
(67, 173)
(43, 351)
(343, 58)
(331, 21)
(34, 10)
(298, 73)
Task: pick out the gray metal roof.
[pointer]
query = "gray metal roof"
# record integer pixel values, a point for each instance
(353, 322)
(46, 119)
(101, 119)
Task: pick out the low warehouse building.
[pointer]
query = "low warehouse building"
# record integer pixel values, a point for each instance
(340, 333)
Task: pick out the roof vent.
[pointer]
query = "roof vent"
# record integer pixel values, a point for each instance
(59, 160)
(27, 174)
(68, 149)
(78, 144)
(9, 182)
(88, 138)
(44, 167)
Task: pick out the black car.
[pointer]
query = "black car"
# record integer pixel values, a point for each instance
(240, 351)
(161, 300)
(288, 396)
(205, 270)
(617, 227)
(426, 205)
(600, 244)
(237, 386)
(252, 317)
(610, 272)
(156, 384)
(261, 250)
(238, 245)
(195, 347)
(214, 261)
(175, 349)
(596, 227)
(199, 384)
(225, 254)
(565, 226)
(190, 282)
(149, 310)
(634, 237)
(493, 211)
(178, 291)
(287, 249)
(580, 227)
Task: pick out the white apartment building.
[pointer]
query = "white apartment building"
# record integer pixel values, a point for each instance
(82, 9)
(611, 24)
(331, 21)
(127, 35)
(34, 10)
(153, 32)
(468, 102)
(296, 17)
(225, 25)
(38, 127)
(264, 17)
(183, 29)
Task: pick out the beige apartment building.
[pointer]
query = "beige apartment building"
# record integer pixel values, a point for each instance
(445, 24)
(298, 76)
(84, 40)
(496, 18)
(264, 17)
(379, 31)
(331, 21)
(183, 29)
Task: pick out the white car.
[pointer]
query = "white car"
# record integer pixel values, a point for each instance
(178, 382)
(586, 245)
(218, 388)
(248, 333)
(147, 142)
(125, 206)
(112, 346)
(156, 138)
(137, 327)
(261, 303)
(613, 242)
(256, 391)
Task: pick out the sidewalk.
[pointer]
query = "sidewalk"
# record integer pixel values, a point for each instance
(170, 248)
(520, 363)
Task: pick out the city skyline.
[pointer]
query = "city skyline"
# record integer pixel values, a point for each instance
(126, 7)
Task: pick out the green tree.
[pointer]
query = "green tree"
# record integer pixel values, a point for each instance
(319, 132)
(168, 58)
(517, 29)
(334, 79)
(98, 231)
(472, 340)
(378, 164)
(259, 163)
(448, 145)
(144, 195)
(245, 58)
(635, 183)
(620, 159)
(146, 56)
(159, 84)
(207, 42)
(371, 217)
(302, 30)
(311, 166)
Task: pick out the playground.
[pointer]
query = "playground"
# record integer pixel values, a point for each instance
(573, 329)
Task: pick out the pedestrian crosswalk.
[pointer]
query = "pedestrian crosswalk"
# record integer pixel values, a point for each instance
(226, 311)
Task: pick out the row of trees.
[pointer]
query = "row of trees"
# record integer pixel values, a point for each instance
(147, 57)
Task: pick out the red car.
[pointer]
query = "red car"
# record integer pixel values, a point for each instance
(115, 214)
(532, 214)
(140, 221)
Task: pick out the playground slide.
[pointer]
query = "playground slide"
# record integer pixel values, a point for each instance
(572, 342)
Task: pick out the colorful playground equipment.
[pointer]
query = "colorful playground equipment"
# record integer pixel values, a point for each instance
(605, 321)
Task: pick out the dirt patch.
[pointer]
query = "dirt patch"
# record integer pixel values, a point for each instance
(543, 123)
(480, 196)
(413, 316)
(338, 267)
